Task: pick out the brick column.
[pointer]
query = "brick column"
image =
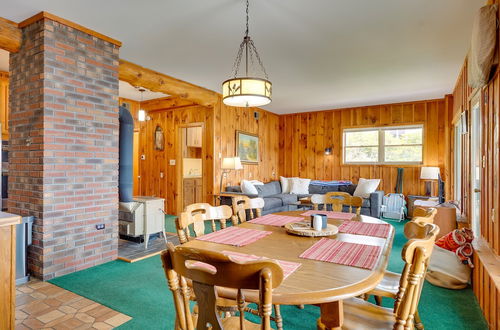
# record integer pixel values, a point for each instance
(63, 162)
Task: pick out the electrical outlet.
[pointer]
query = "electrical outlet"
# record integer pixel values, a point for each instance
(172, 162)
(100, 226)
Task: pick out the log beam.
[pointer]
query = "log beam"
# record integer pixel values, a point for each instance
(10, 36)
(137, 75)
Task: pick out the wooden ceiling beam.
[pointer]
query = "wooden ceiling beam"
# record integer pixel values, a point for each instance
(168, 102)
(137, 75)
(10, 36)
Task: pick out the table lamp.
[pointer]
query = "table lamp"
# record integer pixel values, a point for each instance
(229, 164)
(429, 175)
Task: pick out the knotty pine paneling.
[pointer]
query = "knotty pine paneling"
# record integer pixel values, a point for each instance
(304, 137)
(227, 121)
(156, 162)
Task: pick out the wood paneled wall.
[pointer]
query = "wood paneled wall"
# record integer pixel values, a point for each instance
(486, 275)
(158, 177)
(227, 121)
(304, 137)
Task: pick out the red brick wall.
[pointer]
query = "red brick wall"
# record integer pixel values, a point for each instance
(64, 146)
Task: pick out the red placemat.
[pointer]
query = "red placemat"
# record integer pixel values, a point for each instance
(343, 253)
(331, 214)
(236, 236)
(365, 228)
(288, 266)
(275, 220)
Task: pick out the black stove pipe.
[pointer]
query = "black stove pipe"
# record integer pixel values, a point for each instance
(126, 145)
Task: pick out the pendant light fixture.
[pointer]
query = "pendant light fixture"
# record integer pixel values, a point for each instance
(247, 91)
(141, 114)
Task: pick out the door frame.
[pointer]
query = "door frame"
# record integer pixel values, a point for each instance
(179, 161)
(476, 137)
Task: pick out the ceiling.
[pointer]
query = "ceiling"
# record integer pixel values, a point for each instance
(319, 54)
(130, 92)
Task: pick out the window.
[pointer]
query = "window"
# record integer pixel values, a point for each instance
(384, 145)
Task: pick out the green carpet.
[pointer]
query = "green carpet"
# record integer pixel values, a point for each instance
(139, 289)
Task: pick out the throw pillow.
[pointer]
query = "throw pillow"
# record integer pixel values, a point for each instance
(366, 187)
(257, 182)
(285, 184)
(248, 188)
(300, 186)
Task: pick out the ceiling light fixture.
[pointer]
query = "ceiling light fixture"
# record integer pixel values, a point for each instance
(141, 114)
(247, 91)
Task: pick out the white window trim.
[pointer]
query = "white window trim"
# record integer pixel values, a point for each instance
(381, 146)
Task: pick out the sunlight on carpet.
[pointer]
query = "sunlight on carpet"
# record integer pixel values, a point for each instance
(140, 290)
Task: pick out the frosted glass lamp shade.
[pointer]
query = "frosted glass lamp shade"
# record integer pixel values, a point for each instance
(429, 173)
(231, 163)
(141, 115)
(246, 92)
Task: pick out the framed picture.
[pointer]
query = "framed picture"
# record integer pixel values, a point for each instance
(159, 139)
(247, 147)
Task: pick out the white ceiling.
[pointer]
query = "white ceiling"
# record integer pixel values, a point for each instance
(319, 54)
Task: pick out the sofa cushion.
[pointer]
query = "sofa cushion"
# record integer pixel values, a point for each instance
(269, 189)
(348, 188)
(233, 189)
(272, 202)
(286, 198)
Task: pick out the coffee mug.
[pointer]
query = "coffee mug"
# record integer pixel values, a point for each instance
(324, 220)
(317, 222)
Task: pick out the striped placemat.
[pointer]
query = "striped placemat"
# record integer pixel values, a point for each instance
(288, 266)
(343, 253)
(365, 228)
(236, 236)
(275, 220)
(331, 214)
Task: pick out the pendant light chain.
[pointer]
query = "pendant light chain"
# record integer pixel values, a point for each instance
(248, 46)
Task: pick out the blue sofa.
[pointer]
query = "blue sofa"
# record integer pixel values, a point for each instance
(276, 201)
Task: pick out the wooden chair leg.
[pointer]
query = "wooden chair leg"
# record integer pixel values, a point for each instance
(418, 322)
(277, 317)
(378, 300)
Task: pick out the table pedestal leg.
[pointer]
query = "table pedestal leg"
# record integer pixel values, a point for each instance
(332, 316)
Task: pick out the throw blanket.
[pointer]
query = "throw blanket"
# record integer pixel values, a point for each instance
(330, 183)
(459, 241)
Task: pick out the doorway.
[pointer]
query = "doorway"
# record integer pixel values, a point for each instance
(191, 161)
(476, 165)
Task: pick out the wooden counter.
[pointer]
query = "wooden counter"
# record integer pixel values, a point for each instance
(8, 224)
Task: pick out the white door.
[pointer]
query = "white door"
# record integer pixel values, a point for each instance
(476, 161)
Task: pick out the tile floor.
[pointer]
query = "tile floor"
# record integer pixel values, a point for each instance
(41, 305)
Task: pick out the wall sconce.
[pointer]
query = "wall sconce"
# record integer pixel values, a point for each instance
(141, 115)
(328, 151)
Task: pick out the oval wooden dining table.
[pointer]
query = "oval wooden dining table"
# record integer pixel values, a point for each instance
(314, 282)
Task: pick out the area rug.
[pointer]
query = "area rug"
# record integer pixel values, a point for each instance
(140, 291)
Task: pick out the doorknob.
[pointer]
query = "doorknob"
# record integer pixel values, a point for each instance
(477, 190)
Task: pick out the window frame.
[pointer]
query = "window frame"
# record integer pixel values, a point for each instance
(381, 146)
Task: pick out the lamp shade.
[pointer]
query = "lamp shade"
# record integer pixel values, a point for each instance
(429, 173)
(231, 163)
(246, 92)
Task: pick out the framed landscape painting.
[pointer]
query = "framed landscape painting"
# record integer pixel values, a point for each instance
(247, 147)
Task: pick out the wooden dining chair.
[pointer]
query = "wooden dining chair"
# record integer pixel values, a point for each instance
(336, 199)
(182, 263)
(424, 215)
(196, 215)
(359, 314)
(393, 285)
(246, 208)
(354, 203)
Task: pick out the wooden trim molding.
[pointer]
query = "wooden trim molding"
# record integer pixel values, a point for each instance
(10, 36)
(137, 75)
(44, 14)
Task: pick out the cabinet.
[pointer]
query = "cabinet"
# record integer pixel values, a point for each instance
(8, 224)
(192, 191)
(4, 104)
(194, 136)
